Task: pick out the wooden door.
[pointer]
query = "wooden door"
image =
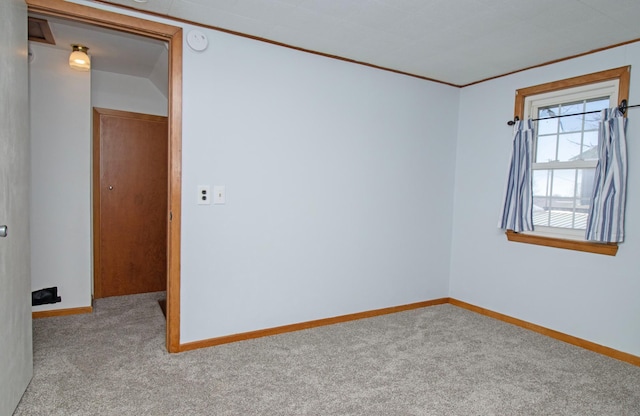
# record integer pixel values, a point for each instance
(130, 202)
(16, 358)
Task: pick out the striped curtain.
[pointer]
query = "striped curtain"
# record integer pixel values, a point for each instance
(517, 211)
(606, 214)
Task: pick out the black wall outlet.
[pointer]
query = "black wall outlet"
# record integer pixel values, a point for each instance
(44, 296)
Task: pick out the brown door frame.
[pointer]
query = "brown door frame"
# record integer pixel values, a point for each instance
(172, 35)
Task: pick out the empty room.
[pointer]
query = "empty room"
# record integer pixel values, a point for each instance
(320, 207)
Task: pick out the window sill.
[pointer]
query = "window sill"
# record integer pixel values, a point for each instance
(609, 249)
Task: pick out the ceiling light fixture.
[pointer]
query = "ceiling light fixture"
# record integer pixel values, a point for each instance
(79, 59)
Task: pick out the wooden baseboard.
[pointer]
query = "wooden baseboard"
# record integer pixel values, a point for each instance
(569, 339)
(61, 312)
(307, 325)
(588, 345)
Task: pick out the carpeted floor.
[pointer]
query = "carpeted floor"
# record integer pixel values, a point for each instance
(440, 360)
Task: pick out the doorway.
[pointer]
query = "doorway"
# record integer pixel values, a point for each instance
(172, 35)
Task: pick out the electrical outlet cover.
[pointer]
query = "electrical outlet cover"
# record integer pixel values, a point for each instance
(204, 195)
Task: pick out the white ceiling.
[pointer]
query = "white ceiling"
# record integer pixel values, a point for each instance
(453, 41)
(110, 50)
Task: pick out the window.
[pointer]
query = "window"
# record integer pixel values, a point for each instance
(565, 154)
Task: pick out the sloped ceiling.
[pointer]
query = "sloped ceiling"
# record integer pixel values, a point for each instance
(453, 41)
(114, 51)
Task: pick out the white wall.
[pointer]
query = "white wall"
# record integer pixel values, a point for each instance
(159, 77)
(60, 111)
(127, 93)
(589, 296)
(339, 188)
(339, 198)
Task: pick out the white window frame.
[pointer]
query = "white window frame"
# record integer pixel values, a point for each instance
(532, 104)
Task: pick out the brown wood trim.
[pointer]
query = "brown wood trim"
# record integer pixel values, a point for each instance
(175, 192)
(623, 87)
(97, 17)
(609, 249)
(622, 73)
(95, 191)
(569, 339)
(307, 325)
(127, 114)
(173, 35)
(579, 342)
(61, 312)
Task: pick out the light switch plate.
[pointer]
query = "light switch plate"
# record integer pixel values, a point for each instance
(219, 195)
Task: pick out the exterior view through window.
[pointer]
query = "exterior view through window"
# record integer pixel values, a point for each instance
(565, 157)
(565, 154)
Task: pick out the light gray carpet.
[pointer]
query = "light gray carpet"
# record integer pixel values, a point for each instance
(440, 360)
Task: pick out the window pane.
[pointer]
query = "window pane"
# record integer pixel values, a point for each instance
(549, 126)
(540, 214)
(572, 123)
(561, 218)
(597, 104)
(546, 149)
(562, 201)
(584, 188)
(541, 182)
(541, 192)
(580, 220)
(550, 111)
(571, 108)
(591, 120)
(590, 146)
(564, 183)
(569, 147)
(561, 197)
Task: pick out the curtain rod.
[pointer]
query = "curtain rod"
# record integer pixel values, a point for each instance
(622, 107)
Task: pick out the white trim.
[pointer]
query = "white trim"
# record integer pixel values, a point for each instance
(557, 232)
(583, 92)
(574, 164)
